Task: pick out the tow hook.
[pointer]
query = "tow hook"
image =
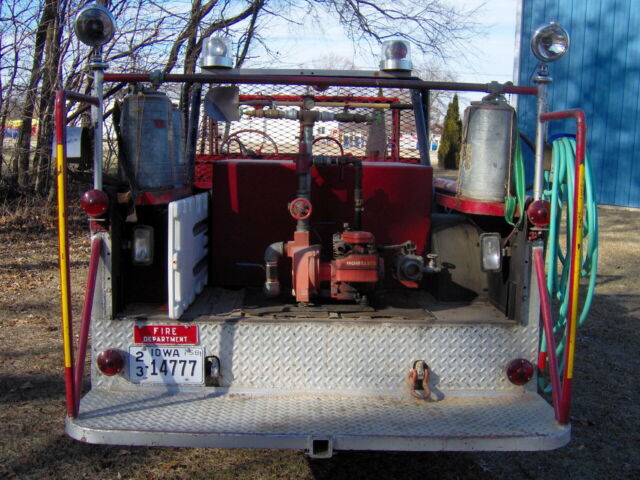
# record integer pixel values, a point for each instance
(213, 371)
(419, 380)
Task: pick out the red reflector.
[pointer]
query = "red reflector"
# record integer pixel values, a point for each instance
(539, 213)
(94, 202)
(520, 371)
(110, 362)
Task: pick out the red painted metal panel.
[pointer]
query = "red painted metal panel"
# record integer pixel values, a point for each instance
(165, 334)
(464, 205)
(162, 197)
(249, 210)
(447, 196)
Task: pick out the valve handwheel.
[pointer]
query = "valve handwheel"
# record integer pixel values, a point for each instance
(334, 140)
(300, 208)
(234, 137)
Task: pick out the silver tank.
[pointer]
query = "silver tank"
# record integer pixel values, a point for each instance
(153, 141)
(488, 137)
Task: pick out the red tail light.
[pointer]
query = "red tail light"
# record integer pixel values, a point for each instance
(539, 213)
(520, 371)
(94, 202)
(110, 362)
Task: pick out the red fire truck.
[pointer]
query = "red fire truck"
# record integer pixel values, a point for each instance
(279, 268)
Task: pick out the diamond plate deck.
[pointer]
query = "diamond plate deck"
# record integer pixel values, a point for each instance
(293, 420)
(373, 356)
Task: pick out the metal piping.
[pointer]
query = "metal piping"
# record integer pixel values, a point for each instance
(357, 195)
(192, 130)
(576, 251)
(96, 249)
(63, 252)
(60, 113)
(237, 76)
(272, 256)
(547, 324)
(98, 66)
(304, 163)
(422, 123)
(542, 80)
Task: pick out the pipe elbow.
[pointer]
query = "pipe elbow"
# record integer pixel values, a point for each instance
(272, 289)
(274, 252)
(272, 256)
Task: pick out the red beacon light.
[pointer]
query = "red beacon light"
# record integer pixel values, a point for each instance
(520, 371)
(94, 202)
(396, 56)
(539, 213)
(110, 362)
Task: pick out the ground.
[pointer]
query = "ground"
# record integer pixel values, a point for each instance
(33, 445)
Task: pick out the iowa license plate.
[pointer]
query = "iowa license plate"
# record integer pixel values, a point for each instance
(168, 365)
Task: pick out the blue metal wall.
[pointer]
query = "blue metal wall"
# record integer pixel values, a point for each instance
(600, 74)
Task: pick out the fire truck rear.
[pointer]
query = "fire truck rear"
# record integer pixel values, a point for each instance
(283, 271)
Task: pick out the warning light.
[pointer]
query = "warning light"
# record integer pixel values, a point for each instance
(396, 56)
(94, 202)
(110, 362)
(216, 53)
(520, 371)
(539, 213)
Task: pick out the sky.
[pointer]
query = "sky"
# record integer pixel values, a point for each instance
(489, 56)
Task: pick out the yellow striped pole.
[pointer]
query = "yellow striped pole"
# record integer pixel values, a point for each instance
(63, 251)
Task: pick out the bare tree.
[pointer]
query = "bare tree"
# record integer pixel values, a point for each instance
(38, 48)
(432, 26)
(23, 145)
(332, 61)
(14, 37)
(438, 99)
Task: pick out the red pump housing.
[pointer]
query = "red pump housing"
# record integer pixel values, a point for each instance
(356, 267)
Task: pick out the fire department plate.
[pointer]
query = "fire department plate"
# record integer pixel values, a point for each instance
(168, 365)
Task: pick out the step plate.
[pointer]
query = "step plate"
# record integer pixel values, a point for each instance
(292, 421)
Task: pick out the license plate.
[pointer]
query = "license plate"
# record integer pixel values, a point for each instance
(168, 365)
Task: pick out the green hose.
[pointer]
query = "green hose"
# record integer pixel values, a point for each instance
(560, 182)
(518, 186)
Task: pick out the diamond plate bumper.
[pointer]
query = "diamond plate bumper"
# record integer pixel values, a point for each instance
(305, 420)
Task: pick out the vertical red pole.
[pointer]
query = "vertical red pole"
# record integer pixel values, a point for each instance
(576, 259)
(576, 253)
(63, 251)
(395, 117)
(96, 250)
(547, 324)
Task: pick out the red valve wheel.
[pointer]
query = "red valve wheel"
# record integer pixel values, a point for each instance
(300, 208)
(334, 140)
(234, 137)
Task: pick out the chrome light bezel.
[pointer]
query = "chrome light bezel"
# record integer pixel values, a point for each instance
(490, 252)
(91, 13)
(142, 245)
(541, 43)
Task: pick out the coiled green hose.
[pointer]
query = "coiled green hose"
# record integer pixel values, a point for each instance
(559, 192)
